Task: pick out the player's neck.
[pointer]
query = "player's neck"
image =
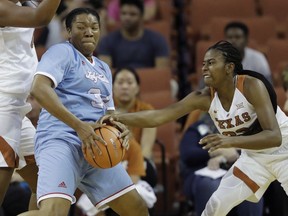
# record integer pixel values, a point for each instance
(89, 58)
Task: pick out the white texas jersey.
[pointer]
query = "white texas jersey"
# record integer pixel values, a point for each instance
(18, 60)
(241, 115)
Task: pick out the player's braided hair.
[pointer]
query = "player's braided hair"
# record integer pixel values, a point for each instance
(71, 16)
(230, 53)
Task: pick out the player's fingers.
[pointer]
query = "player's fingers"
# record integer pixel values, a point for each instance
(103, 119)
(207, 139)
(213, 149)
(126, 143)
(88, 149)
(97, 125)
(120, 126)
(99, 139)
(125, 134)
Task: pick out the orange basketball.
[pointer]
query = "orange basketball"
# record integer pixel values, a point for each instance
(112, 154)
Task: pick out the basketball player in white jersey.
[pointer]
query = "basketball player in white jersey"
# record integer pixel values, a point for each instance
(235, 103)
(18, 63)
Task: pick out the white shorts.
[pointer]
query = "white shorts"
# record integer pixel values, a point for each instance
(259, 170)
(26, 153)
(16, 133)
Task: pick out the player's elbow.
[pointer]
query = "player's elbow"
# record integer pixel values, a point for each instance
(277, 139)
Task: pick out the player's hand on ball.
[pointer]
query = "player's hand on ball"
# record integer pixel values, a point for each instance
(125, 133)
(106, 119)
(87, 135)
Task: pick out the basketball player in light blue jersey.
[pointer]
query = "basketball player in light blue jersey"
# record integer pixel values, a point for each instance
(75, 90)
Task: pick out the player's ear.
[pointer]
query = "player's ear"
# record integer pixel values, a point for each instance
(69, 32)
(229, 68)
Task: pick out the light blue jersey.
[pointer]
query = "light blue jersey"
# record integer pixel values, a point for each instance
(84, 88)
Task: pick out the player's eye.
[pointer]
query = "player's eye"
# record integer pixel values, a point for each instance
(80, 27)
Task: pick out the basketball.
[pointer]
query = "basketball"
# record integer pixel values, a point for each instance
(112, 154)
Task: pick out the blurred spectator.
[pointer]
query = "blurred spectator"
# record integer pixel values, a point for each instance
(193, 157)
(17, 196)
(126, 89)
(113, 11)
(237, 33)
(133, 45)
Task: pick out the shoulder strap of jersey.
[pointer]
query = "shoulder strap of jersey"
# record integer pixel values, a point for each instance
(240, 83)
(212, 93)
(268, 85)
(256, 127)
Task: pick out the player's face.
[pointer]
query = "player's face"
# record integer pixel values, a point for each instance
(130, 17)
(125, 88)
(213, 69)
(236, 37)
(85, 33)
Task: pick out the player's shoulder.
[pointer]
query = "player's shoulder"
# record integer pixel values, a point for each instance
(253, 78)
(64, 47)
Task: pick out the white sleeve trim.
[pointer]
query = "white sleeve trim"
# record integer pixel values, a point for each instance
(49, 76)
(111, 108)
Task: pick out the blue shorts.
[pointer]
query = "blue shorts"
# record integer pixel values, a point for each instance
(62, 168)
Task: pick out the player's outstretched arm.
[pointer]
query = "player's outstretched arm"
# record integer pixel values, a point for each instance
(154, 118)
(16, 16)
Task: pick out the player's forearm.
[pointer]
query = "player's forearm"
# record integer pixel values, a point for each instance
(49, 100)
(147, 119)
(46, 10)
(263, 140)
(27, 16)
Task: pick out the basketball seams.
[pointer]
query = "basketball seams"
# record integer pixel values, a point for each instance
(119, 139)
(112, 153)
(106, 147)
